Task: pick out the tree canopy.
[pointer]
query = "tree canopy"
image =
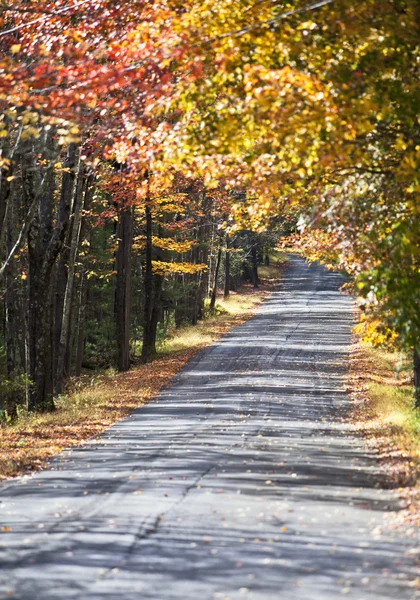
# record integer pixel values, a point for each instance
(137, 138)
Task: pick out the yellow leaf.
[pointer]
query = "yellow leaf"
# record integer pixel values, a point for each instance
(15, 48)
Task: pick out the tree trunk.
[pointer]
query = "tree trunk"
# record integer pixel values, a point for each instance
(416, 364)
(210, 261)
(14, 323)
(123, 288)
(156, 312)
(179, 313)
(6, 172)
(255, 278)
(60, 292)
(148, 350)
(45, 244)
(85, 236)
(69, 293)
(227, 268)
(81, 322)
(216, 276)
(40, 340)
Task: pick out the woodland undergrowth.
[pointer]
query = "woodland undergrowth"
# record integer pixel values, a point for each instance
(381, 384)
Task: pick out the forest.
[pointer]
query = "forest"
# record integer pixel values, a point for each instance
(153, 153)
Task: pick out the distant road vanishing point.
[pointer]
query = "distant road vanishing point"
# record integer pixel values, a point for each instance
(242, 480)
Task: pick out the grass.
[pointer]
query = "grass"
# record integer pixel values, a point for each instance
(385, 414)
(93, 404)
(391, 399)
(227, 312)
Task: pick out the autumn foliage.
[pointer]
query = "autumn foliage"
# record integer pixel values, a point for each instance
(144, 144)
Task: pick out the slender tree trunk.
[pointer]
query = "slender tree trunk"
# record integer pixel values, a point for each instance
(81, 322)
(60, 292)
(156, 312)
(179, 309)
(210, 261)
(148, 350)
(227, 267)
(85, 236)
(5, 186)
(255, 278)
(203, 236)
(70, 336)
(416, 364)
(123, 288)
(69, 293)
(14, 319)
(216, 276)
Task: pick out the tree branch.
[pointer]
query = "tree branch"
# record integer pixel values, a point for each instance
(56, 14)
(9, 8)
(264, 24)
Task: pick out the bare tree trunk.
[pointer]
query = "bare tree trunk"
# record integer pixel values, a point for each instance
(210, 261)
(254, 255)
(45, 243)
(416, 364)
(179, 309)
(70, 336)
(14, 322)
(156, 312)
(216, 276)
(148, 350)
(85, 236)
(227, 268)
(69, 293)
(5, 186)
(60, 292)
(203, 257)
(81, 322)
(123, 288)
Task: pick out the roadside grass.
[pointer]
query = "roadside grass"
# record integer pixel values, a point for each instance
(381, 382)
(270, 272)
(228, 312)
(92, 404)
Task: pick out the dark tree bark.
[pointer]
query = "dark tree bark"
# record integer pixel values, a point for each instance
(68, 356)
(81, 324)
(45, 243)
(156, 312)
(5, 186)
(216, 276)
(416, 364)
(227, 268)
(85, 236)
(68, 300)
(148, 349)
(14, 324)
(203, 276)
(179, 309)
(123, 288)
(60, 292)
(254, 256)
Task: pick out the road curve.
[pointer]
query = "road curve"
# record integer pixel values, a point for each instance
(241, 481)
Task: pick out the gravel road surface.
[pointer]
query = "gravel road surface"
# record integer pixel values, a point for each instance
(242, 480)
